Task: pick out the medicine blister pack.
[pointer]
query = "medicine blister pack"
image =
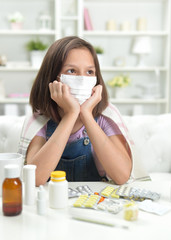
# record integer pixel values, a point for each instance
(109, 191)
(73, 193)
(128, 192)
(78, 191)
(95, 201)
(84, 189)
(137, 194)
(110, 206)
(87, 201)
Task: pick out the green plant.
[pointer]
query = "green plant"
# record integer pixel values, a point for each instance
(16, 17)
(119, 81)
(36, 45)
(99, 50)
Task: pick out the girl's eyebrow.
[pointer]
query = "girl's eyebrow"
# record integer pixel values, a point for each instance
(72, 65)
(69, 65)
(91, 66)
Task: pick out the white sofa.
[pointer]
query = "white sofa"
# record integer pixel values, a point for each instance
(151, 134)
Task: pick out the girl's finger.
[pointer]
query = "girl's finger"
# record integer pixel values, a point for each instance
(58, 88)
(97, 90)
(65, 89)
(50, 87)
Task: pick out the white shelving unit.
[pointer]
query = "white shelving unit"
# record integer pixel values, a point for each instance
(125, 33)
(28, 32)
(14, 100)
(67, 19)
(18, 74)
(117, 43)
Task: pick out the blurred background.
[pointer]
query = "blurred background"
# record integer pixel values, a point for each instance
(131, 37)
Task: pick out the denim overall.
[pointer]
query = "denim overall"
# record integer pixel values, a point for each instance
(77, 159)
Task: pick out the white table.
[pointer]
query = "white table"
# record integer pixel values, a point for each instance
(58, 224)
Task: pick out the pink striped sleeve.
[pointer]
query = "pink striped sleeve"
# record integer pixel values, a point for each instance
(42, 132)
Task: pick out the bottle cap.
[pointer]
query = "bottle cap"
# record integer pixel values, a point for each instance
(29, 167)
(11, 171)
(58, 176)
(41, 194)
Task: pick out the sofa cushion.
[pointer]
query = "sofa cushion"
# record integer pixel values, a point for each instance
(152, 136)
(160, 176)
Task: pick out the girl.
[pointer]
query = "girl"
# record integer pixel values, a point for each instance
(69, 97)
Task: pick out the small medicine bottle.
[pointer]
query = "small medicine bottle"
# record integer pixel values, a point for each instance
(11, 191)
(58, 190)
(130, 211)
(41, 201)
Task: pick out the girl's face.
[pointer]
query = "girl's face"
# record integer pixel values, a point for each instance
(79, 62)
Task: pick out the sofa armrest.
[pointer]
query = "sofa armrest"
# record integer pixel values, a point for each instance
(10, 129)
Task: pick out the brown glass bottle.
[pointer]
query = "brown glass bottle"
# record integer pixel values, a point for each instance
(12, 191)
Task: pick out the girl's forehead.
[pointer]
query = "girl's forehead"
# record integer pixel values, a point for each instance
(78, 55)
(76, 51)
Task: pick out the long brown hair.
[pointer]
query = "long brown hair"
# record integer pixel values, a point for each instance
(54, 59)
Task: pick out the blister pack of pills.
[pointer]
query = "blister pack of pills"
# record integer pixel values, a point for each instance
(137, 194)
(84, 189)
(109, 191)
(97, 202)
(153, 207)
(128, 192)
(73, 193)
(110, 206)
(87, 201)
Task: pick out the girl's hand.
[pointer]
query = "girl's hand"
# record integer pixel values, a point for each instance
(60, 93)
(88, 106)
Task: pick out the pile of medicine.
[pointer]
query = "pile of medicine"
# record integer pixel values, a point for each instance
(111, 199)
(88, 199)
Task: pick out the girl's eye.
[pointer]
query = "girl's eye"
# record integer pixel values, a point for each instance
(90, 72)
(71, 71)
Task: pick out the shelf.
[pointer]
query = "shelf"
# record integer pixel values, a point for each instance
(104, 69)
(14, 100)
(138, 101)
(124, 33)
(121, 1)
(27, 32)
(133, 69)
(69, 18)
(18, 69)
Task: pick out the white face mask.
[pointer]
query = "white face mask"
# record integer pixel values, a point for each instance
(80, 86)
